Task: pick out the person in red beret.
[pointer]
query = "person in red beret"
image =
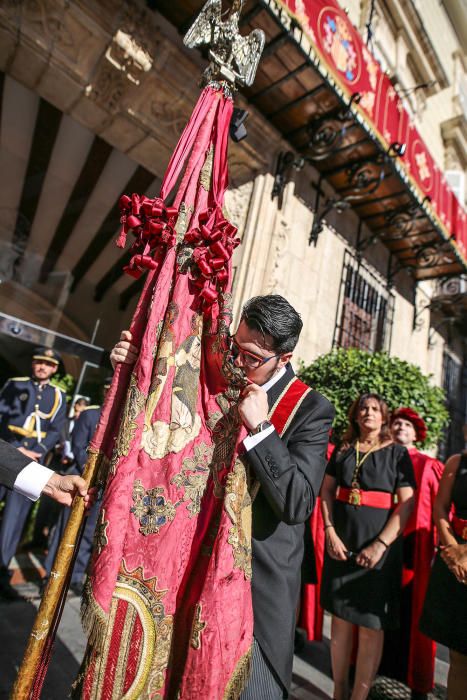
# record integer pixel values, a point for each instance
(409, 656)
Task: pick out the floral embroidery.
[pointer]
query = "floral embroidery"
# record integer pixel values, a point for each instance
(194, 483)
(152, 508)
(238, 507)
(133, 406)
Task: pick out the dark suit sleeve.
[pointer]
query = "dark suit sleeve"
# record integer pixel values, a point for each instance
(11, 463)
(291, 474)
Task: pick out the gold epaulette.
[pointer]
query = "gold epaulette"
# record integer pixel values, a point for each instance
(19, 379)
(88, 407)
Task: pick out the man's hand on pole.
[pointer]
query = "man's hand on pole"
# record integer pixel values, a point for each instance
(124, 351)
(63, 489)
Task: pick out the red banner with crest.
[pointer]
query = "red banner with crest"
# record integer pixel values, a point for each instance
(344, 59)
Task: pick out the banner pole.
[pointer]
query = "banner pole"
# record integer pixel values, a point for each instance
(32, 670)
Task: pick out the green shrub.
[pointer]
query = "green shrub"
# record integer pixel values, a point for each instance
(65, 382)
(342, 375)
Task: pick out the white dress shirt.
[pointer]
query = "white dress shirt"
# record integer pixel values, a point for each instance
(31, 480)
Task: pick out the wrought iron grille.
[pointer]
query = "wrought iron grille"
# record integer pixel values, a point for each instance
(365, 309)
(455, 386)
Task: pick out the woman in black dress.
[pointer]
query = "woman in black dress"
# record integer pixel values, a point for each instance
(363, 562)
(444, 616)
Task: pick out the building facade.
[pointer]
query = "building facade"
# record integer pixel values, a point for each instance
(94, 97)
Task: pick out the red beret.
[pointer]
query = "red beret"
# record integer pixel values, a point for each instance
(416, 420)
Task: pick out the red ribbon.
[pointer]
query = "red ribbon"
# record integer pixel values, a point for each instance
(153, 225)
(214, 242)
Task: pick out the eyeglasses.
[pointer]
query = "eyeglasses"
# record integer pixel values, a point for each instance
(249, 359)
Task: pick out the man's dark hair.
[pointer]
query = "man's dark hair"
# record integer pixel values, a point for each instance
(273, 315)
(81, 402)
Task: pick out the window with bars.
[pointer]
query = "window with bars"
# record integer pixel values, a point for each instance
(455, 386)
(365, 310)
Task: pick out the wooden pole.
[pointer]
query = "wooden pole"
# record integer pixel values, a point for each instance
(57, 585)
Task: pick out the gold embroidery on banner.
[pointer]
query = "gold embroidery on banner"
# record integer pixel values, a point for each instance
(184, 216)
(133, 406)
(239, 677)
(154, 658)
(194, 484)
(206, 170)
(132, 597)
(237, 504)
(225, 426)
(101, 539)
(197, 627)
(152, 508)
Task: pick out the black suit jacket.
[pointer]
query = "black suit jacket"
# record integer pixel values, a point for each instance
(11, 463)
(290, 470)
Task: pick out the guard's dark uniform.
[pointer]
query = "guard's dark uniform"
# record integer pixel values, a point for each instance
(82, 433)
(31, 416)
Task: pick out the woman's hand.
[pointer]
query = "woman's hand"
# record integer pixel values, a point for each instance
(455, 556)
(371, 555)
(334, 545)
(124, 351)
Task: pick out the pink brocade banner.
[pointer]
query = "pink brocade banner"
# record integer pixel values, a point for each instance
(341, 51)
(167, 606)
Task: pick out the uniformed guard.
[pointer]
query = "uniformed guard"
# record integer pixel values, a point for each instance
(81, 436)
(32, 414)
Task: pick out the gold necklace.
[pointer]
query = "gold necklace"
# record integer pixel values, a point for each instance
(355, 495)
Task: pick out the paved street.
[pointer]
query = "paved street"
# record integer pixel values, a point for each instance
(311, 675)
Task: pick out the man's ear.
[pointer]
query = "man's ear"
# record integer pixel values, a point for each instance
(285, 358)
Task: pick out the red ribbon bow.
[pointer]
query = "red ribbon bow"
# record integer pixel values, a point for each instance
(152, 223)
(214, 242)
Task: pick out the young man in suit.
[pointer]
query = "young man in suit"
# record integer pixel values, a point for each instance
(289, 469)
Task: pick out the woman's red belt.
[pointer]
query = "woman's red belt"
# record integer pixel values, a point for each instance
(459, 525)
(358, 497)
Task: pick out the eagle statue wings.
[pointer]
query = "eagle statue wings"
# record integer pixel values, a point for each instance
(234, 58)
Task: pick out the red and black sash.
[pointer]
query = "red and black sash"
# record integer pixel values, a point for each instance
(287, 404)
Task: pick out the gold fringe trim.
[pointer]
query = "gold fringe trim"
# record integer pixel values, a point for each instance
(239, 677)
(93, 619)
